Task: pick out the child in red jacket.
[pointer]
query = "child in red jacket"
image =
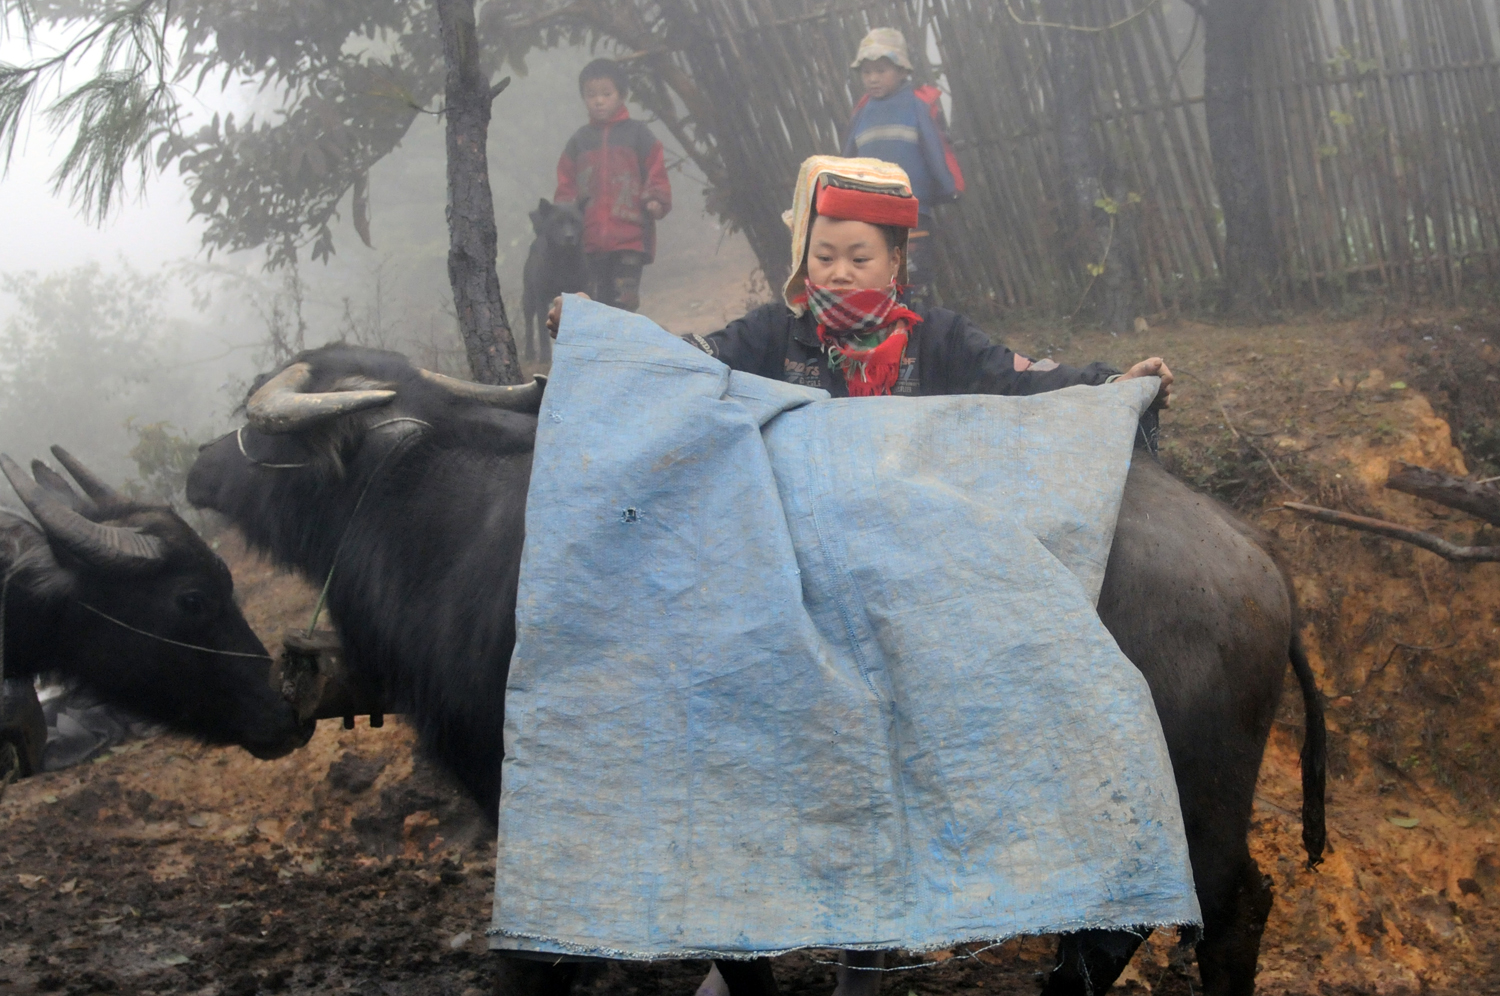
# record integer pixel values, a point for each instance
(614, 167)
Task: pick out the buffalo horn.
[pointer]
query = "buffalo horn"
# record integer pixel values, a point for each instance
(92, 486)
(91, 542)
(58, 485)
(281, 406)
(514, 397)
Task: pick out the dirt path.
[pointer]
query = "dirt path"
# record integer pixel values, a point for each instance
(349, 867)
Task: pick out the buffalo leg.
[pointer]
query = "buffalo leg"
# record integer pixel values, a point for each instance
(529, 977)
(748, 978)
(859, 974)
(1089, 961)
(1231, 934)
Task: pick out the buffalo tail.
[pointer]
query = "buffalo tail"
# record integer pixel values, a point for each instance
(1314, 757)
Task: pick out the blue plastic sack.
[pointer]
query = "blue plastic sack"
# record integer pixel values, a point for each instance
(798, 672)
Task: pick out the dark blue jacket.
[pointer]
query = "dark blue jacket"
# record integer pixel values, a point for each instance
(906, 128)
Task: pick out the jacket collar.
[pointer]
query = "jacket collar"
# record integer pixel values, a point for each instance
(623, 114)
(907, 87)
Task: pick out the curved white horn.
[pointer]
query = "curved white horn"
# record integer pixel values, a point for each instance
(513, 397)
(281, 406)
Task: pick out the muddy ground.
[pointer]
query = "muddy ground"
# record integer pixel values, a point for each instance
(352, 867)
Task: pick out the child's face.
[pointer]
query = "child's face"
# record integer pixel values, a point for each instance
(602, 99)
(881, 78)
(851, 255)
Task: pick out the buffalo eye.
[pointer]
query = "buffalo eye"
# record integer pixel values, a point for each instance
(192, 603)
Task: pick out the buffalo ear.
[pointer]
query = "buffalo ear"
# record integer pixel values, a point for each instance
(25, 550)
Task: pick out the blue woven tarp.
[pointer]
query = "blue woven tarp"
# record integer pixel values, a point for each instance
(795, 672)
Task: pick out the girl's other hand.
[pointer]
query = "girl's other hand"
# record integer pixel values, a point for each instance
(1154, 367)
(554, 313)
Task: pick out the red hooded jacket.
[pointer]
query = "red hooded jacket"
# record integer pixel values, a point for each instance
(616, 167)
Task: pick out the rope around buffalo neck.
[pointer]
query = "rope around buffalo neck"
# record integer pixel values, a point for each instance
(312, 623)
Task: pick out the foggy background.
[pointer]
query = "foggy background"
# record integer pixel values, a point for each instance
(129, 336)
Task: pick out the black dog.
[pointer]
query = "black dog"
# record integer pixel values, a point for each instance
(555, 265)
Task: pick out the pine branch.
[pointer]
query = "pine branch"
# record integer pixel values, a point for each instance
(116, 116)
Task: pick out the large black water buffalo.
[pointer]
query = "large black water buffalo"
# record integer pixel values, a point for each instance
(125, 600)
(416, 485)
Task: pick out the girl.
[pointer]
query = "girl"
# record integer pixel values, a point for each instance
(844, 324)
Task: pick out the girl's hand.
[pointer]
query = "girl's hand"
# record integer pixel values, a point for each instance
(554, 313)
(1154, 367)
(655, 209)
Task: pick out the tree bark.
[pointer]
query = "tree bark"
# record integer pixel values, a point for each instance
(1250, 256)
(471, 205)
(1095, 236)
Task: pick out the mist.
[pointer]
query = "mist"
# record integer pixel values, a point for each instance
(128, 332)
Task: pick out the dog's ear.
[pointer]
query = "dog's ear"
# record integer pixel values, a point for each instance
(539, 216)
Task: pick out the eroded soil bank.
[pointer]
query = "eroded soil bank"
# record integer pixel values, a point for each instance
(349, 866)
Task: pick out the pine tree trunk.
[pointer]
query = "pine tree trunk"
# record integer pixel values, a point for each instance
(1250, 257)
(471, 206)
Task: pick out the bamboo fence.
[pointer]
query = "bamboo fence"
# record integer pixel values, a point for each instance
(1378, 123)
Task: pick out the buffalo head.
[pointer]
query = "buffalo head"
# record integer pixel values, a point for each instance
(324, 422)
(404, 493)
(125, 599)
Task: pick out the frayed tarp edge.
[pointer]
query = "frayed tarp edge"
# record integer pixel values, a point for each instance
(558, 946)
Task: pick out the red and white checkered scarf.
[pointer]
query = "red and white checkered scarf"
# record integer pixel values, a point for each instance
(864, 332)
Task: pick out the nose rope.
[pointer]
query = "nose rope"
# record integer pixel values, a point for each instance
(322, 597)
(239, 437)
(164, 639)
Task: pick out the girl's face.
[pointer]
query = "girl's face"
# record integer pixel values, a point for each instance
(851, 255)
(881, 78)
(602, 99)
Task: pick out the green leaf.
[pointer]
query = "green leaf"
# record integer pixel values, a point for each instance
(1398, 385)
(1404, 822)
